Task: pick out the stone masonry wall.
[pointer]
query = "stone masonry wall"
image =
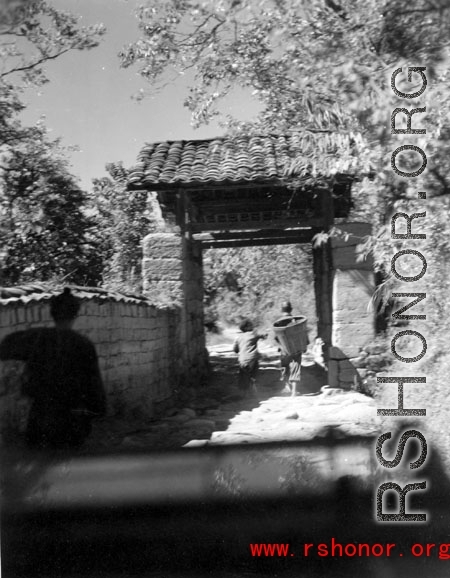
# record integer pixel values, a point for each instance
(135, 341)
(172, 273)
(353, 317)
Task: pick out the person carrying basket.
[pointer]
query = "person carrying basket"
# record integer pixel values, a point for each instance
(290, 355)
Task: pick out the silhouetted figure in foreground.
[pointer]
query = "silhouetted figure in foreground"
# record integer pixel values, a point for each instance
(62, 378)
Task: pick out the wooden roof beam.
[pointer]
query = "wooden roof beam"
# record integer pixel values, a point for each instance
(220, 226)
(213, 236)
(254, 242)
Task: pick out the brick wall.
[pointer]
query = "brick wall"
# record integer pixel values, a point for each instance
(136, 343)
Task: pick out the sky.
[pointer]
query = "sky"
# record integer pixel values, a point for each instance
(88, 101)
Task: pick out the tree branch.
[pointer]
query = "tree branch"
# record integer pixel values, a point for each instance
(193, 34)
(35, 64)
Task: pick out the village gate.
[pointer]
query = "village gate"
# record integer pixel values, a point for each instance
(234, 192)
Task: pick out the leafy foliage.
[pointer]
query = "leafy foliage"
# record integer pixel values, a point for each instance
(45, 233)
(253, 282)
(125, 218)
(321, 68)
(32, 33)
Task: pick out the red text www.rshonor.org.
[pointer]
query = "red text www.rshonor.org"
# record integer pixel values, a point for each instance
(334, 548)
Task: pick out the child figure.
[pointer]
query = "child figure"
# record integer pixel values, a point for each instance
(246, 346)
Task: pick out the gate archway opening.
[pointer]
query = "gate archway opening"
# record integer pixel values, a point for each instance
(233, 192)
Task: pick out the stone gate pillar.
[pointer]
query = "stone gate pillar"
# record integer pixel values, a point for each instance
(172, 275)
(353, 318)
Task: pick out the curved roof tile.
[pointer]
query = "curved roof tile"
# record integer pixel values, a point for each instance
(41, 291)
(229, 159)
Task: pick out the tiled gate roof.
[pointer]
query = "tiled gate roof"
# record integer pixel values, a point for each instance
(241, 159)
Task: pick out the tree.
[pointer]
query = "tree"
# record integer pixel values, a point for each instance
(125, 217)
(321, 69)
(254, 281)
(32, 33)
(45, 231)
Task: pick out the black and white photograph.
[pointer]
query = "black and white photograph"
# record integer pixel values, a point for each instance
(224, 288)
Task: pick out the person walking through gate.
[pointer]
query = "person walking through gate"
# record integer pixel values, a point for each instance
(62, 378)
(246, 346)
(291, 365)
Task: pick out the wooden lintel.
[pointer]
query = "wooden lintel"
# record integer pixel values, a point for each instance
(255, 234)
(257, 225)
(255, 242)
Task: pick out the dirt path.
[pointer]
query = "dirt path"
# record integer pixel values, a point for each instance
(220, 414)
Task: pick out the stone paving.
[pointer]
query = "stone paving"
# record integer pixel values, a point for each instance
(220, 414)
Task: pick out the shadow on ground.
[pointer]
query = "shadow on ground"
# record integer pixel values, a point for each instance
(199, 412)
